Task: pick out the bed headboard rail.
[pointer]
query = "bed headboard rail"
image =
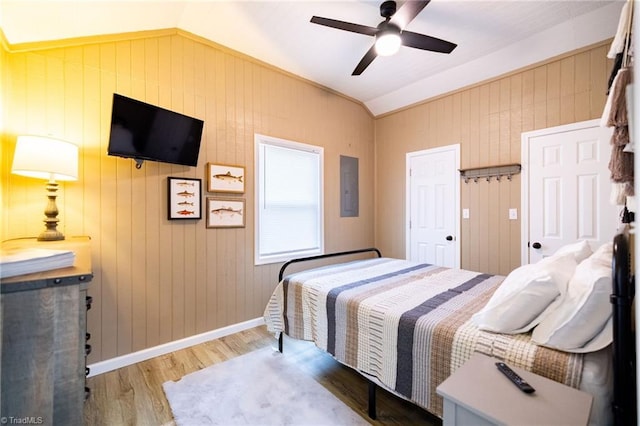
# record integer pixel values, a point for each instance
(624, 347)
(324, 256)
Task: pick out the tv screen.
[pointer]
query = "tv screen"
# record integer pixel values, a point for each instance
(146, 132)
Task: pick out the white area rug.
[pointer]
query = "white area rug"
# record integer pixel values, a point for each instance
(262, 387)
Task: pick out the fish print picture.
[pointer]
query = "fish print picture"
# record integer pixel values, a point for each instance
(225, 212)
(183, 196)
(225, 178)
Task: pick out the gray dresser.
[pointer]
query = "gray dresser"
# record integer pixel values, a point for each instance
(44, 339)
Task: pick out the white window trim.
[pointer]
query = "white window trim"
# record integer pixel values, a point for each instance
(263, 139)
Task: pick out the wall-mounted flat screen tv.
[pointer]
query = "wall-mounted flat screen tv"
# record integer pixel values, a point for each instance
(147, 132)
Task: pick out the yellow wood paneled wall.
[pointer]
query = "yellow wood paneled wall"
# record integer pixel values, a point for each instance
(5, 162)
(487, 121)
(158, 280)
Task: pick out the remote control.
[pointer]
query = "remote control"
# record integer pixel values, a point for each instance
(513, 376)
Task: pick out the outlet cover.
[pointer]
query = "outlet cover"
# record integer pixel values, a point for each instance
(513, 214)
(465, 213)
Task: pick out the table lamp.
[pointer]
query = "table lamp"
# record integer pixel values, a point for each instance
(51, 159)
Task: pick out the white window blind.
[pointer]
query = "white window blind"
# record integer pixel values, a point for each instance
(289, 210)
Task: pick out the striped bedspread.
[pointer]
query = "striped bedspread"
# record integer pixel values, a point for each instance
(404, 323)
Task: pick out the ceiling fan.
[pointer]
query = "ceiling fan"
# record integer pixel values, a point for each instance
(390, 33)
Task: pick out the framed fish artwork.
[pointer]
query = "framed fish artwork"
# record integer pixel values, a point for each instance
(225, 178)
(225, 212)
(184, 198)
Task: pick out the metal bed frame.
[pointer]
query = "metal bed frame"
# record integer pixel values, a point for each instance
(624, 342)
(372, 385)
(320, 256)
(624, 403)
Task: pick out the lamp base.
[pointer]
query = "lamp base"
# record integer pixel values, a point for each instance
(51, 235)
(51, 213)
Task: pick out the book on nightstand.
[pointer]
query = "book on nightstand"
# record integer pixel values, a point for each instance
(30, 260)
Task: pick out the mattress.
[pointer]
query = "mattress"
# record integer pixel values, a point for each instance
(408, 326)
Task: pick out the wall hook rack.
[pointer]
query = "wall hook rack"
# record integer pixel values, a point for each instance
(498, 172)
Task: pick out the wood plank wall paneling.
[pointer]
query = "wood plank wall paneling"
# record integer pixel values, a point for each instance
(5, 161)
(157, 280)
(487, 121)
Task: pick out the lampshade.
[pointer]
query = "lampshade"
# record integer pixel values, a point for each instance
(388, 41)
(45, 158)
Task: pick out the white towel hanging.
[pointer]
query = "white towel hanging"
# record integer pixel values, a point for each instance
(620, 40)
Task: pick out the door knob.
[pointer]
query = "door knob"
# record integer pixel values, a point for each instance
(449, 238)
(536, 245)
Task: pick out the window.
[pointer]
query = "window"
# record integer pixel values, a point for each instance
(289, 207)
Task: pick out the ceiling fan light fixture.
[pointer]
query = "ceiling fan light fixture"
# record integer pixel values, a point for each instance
(390, 34)
(387, 42)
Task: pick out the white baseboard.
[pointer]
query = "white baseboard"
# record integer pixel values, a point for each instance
(132, 358)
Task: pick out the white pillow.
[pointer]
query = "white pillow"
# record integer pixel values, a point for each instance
(580, 250)
(526, 293)
(604, 255)
(581, 322)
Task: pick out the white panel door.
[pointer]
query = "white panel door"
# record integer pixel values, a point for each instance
(433, 188)
(569, 189)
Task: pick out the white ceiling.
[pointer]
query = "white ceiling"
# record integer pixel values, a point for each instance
(493, 37)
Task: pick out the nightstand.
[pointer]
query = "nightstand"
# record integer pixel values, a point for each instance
(44, 338)
(479, 394)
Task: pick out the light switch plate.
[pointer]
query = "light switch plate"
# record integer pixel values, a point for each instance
(513, 214)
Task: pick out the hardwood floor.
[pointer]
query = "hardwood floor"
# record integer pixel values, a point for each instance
(133, 395)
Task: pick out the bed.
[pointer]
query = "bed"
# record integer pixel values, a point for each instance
(407, 326)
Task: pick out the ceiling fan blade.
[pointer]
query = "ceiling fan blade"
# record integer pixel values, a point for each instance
(407, 12)
(346, 26)
(425, 42)
(365, 61)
